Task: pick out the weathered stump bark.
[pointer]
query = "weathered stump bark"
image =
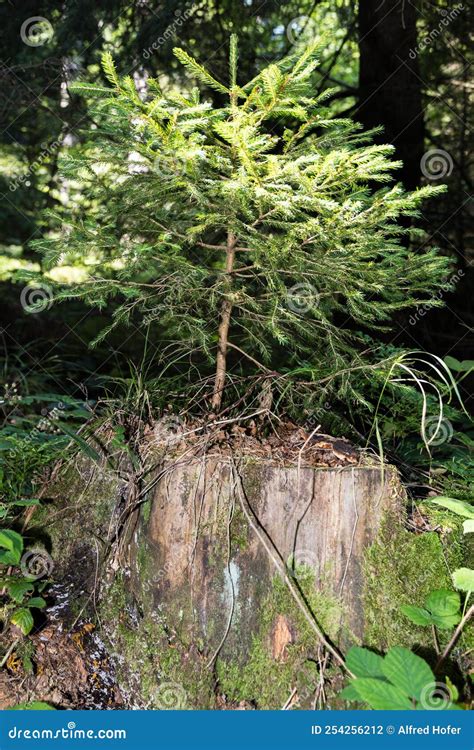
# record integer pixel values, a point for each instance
(209, 565)
(207, 560)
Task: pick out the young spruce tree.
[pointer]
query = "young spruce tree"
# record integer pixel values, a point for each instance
(259, 227)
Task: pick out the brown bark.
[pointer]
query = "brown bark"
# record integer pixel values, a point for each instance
(226, 311)
(322, 518)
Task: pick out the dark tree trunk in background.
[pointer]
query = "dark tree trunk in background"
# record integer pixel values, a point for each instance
(390, 86)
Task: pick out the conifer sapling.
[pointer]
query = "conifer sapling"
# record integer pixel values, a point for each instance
(258, 228)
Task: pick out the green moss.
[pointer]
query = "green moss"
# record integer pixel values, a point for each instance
(265, 681)
(403, 568)
(239, 531)
(146, 510)
(84, 497)
(152, 657)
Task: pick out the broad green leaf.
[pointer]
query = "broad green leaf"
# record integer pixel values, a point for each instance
(37, 601)
(364, 663)
(442, 610)
(13, 543)
(34, 706)
(468, 526)
(9, 558)
(17, 588)
(463, 579)
(11, 540)
(418, 615)
(446, 621)
(381, 695)
(26, 502)
(349, 693)
(23, 619)
(454, 364)
(407, 671)
(443, 602)
(460, 507)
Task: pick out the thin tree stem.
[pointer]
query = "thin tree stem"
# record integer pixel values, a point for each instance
(435, 640)
(456, 634)
(223, 333)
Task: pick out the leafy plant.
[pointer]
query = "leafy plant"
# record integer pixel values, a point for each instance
(460, 507)
(247, 230)
(36, 431)
(20, 590)
(33, 706)
(464, 367)
(400, 680)
(463, 578)
(442, 610)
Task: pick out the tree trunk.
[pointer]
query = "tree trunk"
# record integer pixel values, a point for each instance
(389, 80)
(226, 311)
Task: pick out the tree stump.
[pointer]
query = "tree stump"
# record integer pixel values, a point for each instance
(219, 536)
(187, 580)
